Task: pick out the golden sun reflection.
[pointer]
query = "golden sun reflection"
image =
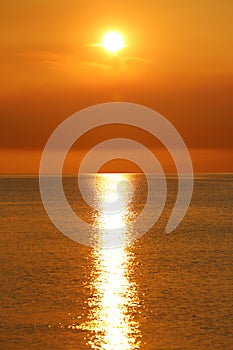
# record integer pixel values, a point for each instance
(114, 299)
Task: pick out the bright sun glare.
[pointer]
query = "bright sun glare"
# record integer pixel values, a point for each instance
(113, 42)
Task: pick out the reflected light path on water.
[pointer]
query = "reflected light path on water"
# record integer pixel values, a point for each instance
(114, 301)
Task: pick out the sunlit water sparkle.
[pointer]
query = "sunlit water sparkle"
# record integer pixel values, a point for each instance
(110, 320)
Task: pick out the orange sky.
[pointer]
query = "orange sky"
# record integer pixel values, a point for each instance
(178, 61)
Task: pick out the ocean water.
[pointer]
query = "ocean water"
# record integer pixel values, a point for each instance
(162, 292)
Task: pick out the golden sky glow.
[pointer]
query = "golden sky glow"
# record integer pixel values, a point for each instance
(177, 60)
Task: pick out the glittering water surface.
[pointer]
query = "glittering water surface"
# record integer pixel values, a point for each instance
(115, 296)
(162, 292)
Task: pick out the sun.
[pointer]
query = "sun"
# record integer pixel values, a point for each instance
(113, 42)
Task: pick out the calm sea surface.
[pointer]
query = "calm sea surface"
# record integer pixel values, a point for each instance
(163, 292)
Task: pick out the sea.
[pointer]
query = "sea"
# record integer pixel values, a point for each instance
(153, 291)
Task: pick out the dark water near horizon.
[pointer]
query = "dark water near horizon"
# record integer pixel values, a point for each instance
(164, 292)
